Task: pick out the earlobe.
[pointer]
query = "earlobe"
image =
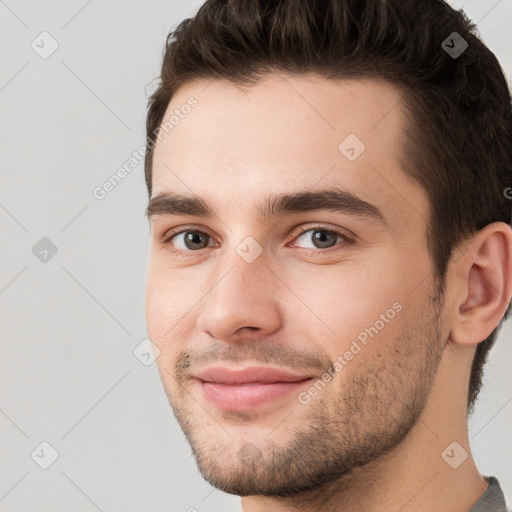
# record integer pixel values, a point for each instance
(484, 286)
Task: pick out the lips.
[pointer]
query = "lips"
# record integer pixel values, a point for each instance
(252, 375)
(250, 388)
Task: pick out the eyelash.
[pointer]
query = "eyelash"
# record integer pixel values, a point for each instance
(347, 240)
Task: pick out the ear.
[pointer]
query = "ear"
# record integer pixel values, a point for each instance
(483, 284)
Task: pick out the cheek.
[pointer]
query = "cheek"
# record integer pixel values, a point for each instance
(173, 300)
(348, 297)
(162, 305)
(155, 299)
(363, 304)
(160, 319)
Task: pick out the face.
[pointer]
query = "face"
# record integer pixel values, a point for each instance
(306, 254)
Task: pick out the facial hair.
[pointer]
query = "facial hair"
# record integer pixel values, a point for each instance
(366, 411)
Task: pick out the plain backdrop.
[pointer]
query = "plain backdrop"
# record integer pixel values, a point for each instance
(73, 268)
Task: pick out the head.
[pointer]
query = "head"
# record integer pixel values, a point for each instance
(294, 109)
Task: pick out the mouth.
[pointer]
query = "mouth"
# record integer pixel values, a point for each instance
(245, 397)
(247, 389)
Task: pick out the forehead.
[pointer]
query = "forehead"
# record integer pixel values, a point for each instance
(286, 133)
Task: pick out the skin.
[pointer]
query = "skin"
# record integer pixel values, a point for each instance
(373, 437)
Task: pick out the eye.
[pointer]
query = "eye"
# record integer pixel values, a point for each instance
(321, 238)
(187, 240)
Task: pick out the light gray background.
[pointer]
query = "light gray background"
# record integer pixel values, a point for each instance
(69, 326)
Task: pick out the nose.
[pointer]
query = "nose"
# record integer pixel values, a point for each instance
(243, 301)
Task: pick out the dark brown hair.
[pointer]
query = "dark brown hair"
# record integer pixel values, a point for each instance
(458, 143)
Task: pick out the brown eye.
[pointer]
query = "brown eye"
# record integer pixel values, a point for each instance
(188, 240)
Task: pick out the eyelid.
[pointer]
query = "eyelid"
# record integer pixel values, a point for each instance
(348, 235)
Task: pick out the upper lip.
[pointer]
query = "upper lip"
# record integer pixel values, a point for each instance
(253, 374)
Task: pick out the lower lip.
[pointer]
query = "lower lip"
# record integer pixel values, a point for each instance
(245, 397)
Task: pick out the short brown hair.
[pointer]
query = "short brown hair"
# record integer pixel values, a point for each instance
(459, 128)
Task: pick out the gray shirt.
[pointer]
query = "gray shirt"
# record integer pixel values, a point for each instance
(492, 500)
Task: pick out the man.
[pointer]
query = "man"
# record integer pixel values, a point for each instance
(331, 249)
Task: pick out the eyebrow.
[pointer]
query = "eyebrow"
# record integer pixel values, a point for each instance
(335, 199)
